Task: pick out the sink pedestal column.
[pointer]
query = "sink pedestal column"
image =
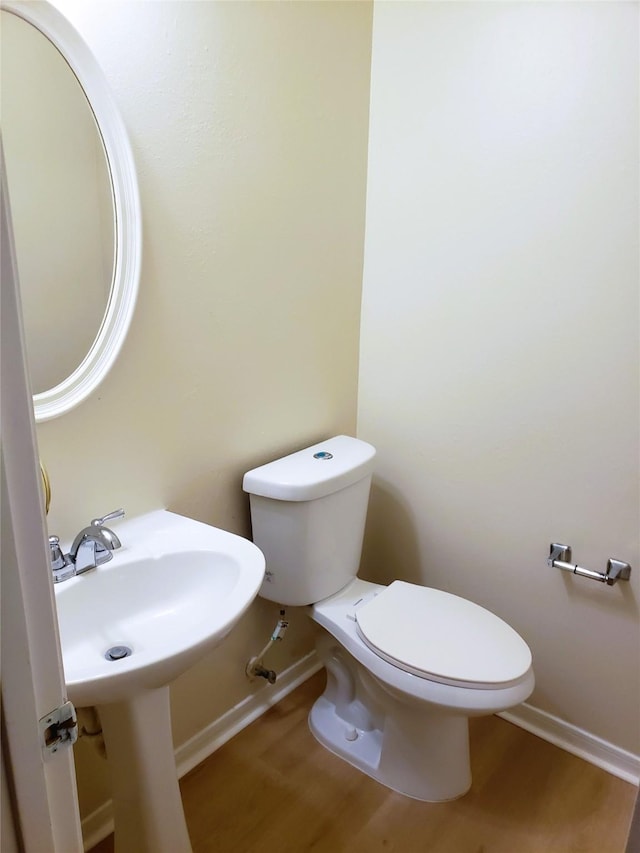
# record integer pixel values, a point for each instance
(147, 805)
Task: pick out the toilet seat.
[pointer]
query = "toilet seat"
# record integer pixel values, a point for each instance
(442, 637)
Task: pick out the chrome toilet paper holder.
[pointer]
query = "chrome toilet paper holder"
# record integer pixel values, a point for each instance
(560, 558)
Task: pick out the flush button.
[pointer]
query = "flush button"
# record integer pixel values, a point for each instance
(323, 454)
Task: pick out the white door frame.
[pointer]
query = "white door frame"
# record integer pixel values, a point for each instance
(44, 802)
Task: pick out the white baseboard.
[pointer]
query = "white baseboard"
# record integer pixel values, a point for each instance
(577, 741)
(99, 824)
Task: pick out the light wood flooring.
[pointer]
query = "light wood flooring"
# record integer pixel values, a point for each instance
(273, 789)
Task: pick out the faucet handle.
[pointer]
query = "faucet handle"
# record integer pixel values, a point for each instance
(110, 516)
(61, 567)
(55, 552)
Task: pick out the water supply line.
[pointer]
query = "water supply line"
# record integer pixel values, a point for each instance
(255, 667)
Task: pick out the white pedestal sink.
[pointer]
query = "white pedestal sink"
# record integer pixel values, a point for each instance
(172, 592)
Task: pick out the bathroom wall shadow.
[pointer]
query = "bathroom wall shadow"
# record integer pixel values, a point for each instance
(390, 549)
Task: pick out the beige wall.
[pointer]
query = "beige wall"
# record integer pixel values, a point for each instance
(248, 123)
(499, 341)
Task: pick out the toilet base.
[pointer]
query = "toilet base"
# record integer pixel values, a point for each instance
(418, 753)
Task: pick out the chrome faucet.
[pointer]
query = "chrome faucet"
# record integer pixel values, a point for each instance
(92, 547)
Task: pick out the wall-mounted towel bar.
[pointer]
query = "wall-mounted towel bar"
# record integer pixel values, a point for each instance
(560, 558)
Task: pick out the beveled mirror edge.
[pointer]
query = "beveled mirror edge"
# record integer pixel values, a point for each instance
(128, 226)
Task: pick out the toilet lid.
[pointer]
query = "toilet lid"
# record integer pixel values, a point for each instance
(442, 637)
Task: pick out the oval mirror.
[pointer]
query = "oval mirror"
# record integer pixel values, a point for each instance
(74, 205)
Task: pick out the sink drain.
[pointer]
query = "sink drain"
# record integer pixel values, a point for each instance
(118, 652)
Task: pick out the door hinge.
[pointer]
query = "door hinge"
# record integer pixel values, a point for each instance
(59, 728)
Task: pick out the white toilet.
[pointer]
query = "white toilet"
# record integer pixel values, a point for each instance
(407, 665)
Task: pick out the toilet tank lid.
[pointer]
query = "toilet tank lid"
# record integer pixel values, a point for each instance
(314, 472)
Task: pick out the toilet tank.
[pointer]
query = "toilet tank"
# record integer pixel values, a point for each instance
(308, 513)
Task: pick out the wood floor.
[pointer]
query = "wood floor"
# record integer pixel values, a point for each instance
(273, 789)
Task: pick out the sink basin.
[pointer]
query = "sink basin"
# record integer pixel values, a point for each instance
(173, 591)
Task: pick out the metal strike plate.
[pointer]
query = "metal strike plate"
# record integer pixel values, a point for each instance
(59, 728)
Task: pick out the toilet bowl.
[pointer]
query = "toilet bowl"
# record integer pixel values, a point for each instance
(407, 665)
(401, 725)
